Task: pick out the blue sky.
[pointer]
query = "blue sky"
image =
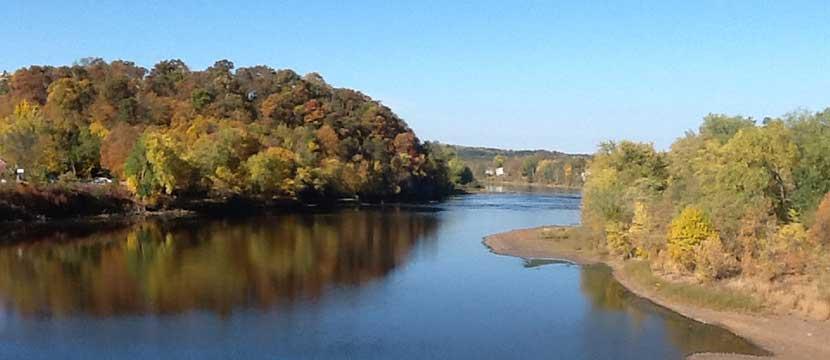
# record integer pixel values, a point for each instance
(520, 74)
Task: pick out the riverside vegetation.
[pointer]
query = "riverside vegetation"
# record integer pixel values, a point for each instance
(172, 133)
(739, 207)
(537, 167)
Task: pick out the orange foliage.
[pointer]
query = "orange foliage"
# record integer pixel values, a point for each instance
(405, 143)
(314, 111)
(328, 139)
(820, 231)
(116, 147)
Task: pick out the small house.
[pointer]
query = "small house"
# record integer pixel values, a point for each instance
(500, 171)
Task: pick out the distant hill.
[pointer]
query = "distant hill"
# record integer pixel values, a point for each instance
(474, 152)
(531, 166)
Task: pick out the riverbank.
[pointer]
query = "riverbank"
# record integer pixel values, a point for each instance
(563, 188)
(30, 213)
(785, 336)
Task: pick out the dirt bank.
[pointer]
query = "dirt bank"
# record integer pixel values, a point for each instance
(787, 337)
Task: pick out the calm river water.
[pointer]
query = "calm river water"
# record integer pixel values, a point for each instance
(392, 283)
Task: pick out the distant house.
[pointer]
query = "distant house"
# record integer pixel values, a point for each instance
(495, 172)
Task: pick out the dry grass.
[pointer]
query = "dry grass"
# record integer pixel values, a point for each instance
(711, 296)
(555, 233)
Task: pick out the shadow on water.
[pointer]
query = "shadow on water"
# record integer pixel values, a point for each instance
(690, 336)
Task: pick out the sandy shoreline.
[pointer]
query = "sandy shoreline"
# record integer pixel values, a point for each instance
(787, 337)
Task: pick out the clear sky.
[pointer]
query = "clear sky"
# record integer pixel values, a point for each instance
(519, 74)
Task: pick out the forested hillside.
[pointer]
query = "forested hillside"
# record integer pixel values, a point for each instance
(526, 166)
(171, 130)
(734, 200)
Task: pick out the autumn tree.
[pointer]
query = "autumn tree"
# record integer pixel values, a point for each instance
(156, 165)
(688, 230)
(328, 139)
(116, 147)
(759, 162)
(271, 171)
(173, 130)
(722, 128)
(529, 168)
(820, 231)
(31, 84)
(166, 75)
(28, 141)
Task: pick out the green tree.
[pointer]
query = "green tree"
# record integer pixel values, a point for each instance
(759, 162)
(546, 171)
(84, 153)
(722, 128)
(139, 171)
(811, 133)
(529, 167)
(460, 173)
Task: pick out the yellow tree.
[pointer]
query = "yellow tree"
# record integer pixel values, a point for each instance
(156, 165)
(27, 141)
(688, 230)
(271, 171)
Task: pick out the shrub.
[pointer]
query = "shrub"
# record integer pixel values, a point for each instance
(756, 225)
(820, 231)
(688, 230)
(617, 240)
(639, 231)
(712, 261)
(787, 252)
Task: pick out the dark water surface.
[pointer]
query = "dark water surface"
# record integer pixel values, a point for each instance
(412, 283)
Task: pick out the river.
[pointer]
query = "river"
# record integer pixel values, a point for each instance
(377, 283)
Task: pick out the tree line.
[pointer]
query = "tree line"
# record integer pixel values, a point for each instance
(524, 166)
(171, 130)
(735, 198)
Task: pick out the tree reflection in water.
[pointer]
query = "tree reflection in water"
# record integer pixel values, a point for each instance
(163, 267)
(606, 294)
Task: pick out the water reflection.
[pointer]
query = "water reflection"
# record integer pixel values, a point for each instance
(331, 286)
(608, 295)
(162, 267)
